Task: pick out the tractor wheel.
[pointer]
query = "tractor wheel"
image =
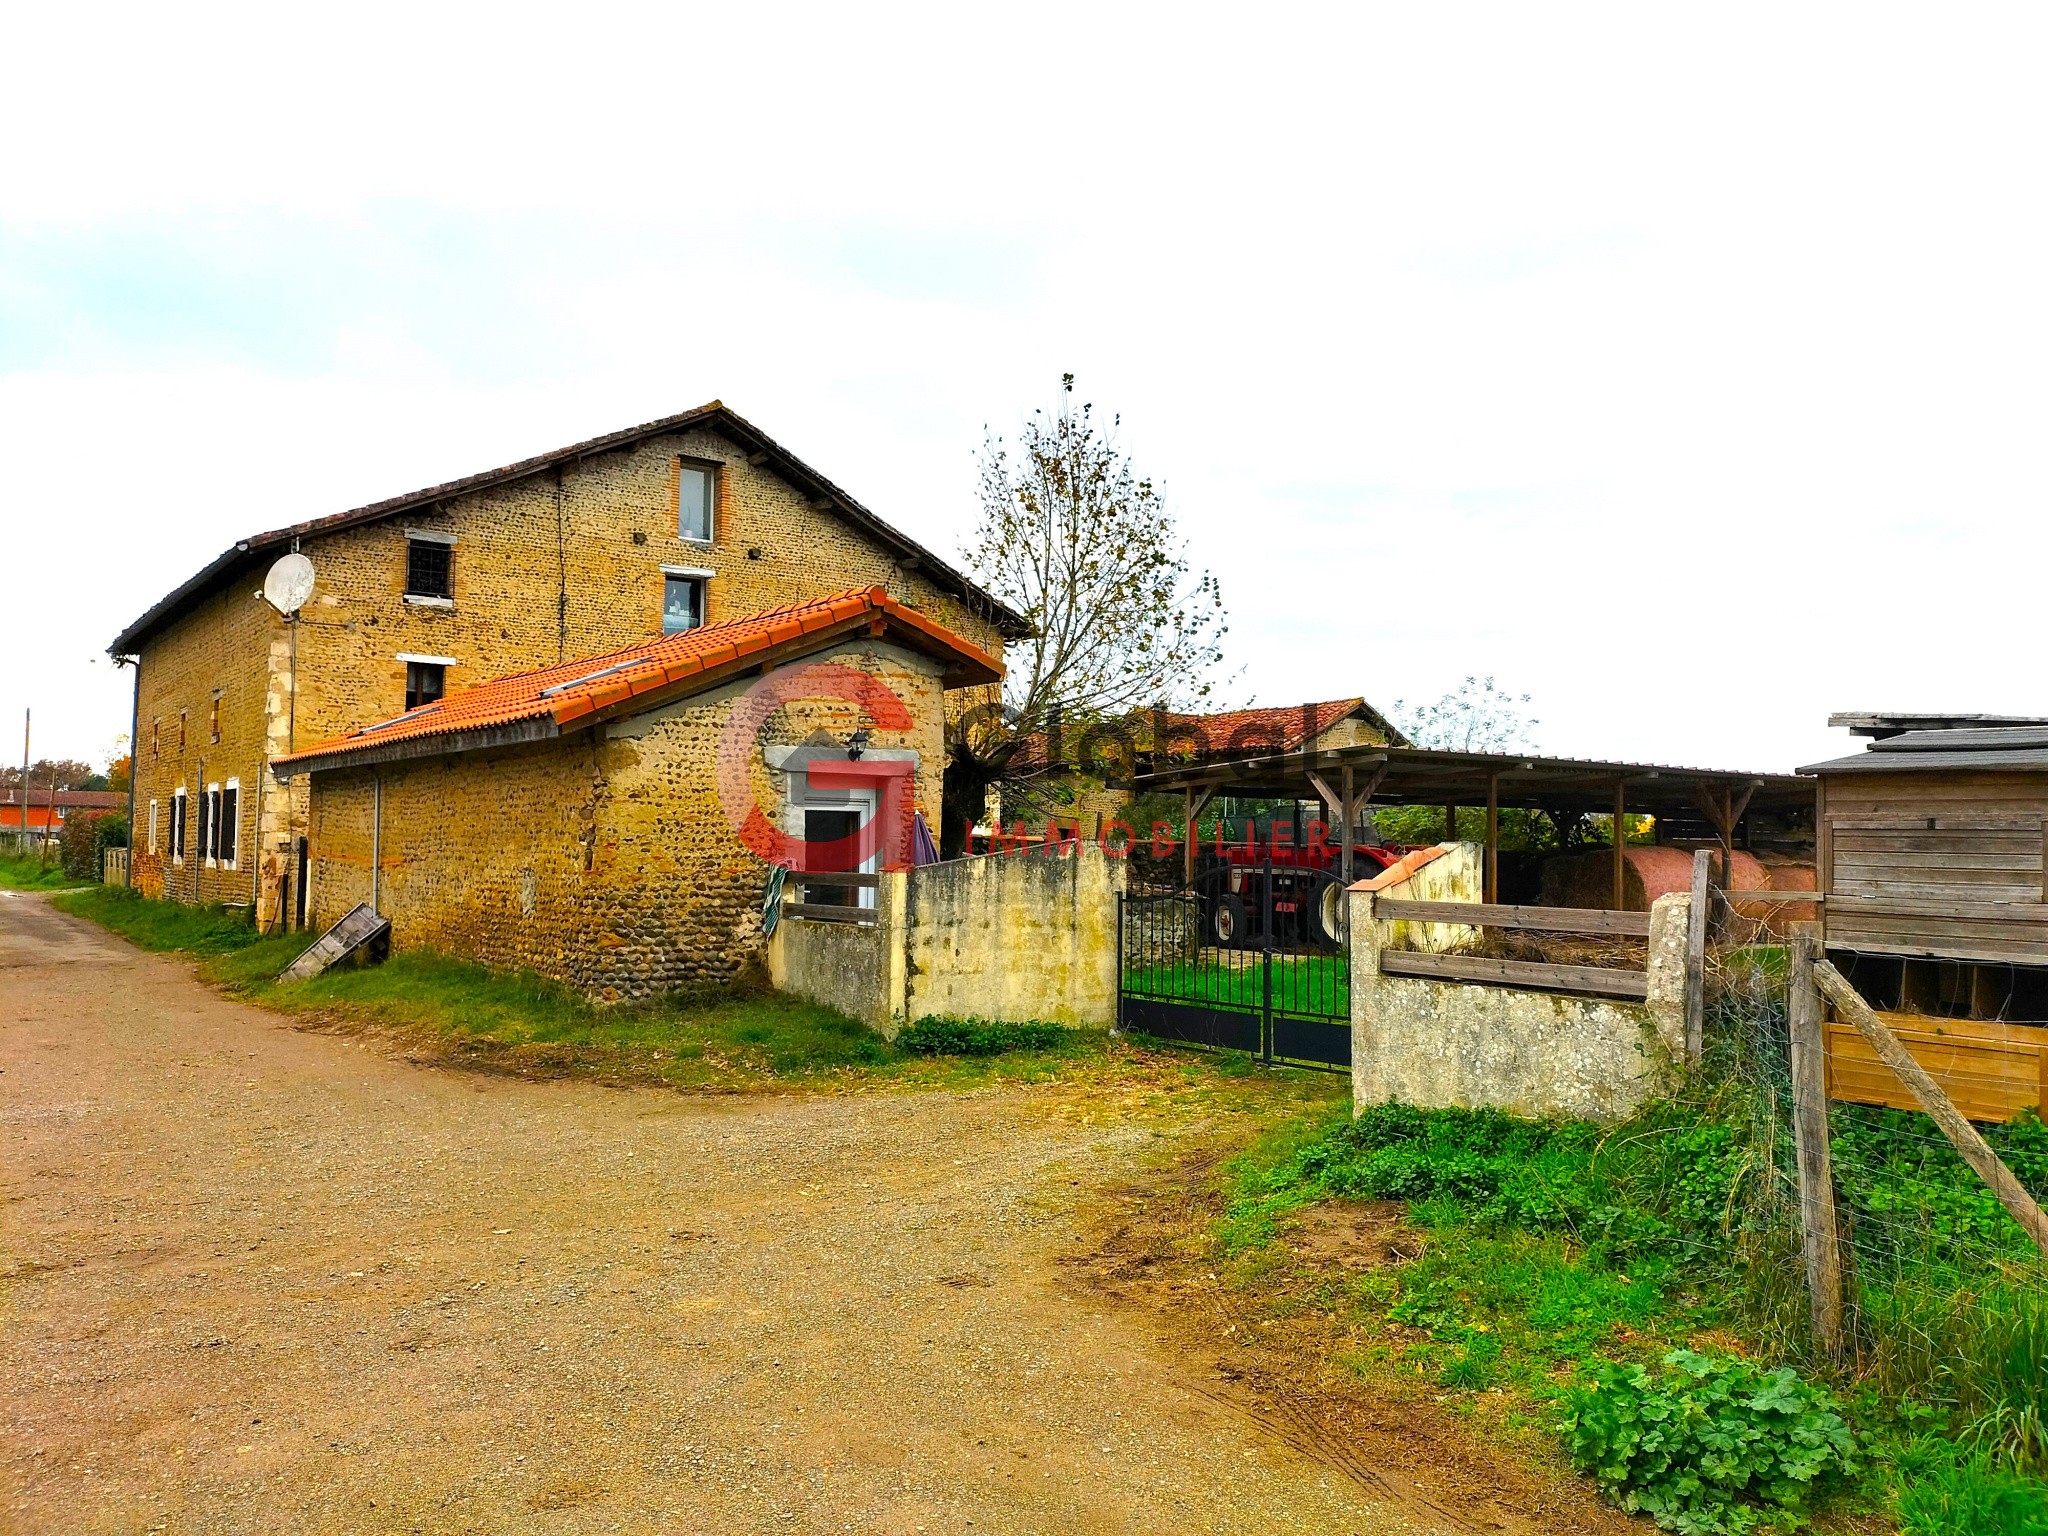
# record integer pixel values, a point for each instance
(1226, 921)
(1332, 916)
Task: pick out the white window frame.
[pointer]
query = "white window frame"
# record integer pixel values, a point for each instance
(209, 828)
(429, 536)
(702, 577)
(711, 470)
(219, 815)
(865, 802)
(152, 827)
(181, 811)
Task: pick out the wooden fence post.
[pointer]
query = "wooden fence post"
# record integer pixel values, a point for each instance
(1696, 958)
(1939, 1106)
(1810, 1132)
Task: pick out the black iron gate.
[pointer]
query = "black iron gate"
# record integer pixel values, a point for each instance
(1250, 957)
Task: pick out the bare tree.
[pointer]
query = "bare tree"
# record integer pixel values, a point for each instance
(1077, 541)
(1477, 716)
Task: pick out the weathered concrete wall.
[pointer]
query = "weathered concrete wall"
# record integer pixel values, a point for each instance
(1015, 938)
(1447, 872)
(854, 967)
(1440, 1044)
(1018, 939)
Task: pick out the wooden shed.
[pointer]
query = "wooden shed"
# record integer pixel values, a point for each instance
(1932, 851)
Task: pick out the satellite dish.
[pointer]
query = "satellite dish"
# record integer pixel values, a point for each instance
(289, 584)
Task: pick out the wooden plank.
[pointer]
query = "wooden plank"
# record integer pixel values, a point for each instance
(1813, 897)
(820, 913)
(1486, 914)
(1587, 980)
(1493, 837)
(1963, 1135)
(1976, 885)
(1620, 846)
(2024, 862)
(1920, 840)
(1989, 1080)
(1810, 1133)
(1888, 904)
(1934, 820)
(1937, 931)
(1916, 947)
(1696, 956)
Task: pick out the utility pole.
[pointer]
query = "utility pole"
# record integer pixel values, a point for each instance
(50, 822)
(21, 843)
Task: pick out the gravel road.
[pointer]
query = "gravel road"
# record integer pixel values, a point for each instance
(258, 1279)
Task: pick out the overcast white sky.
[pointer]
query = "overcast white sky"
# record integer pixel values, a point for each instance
(1684, 369)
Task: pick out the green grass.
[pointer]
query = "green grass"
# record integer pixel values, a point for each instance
(717, 1039)
(1549, 1248)
(32, 874)
(1301, 983)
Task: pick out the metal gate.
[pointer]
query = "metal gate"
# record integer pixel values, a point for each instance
(1248, 958)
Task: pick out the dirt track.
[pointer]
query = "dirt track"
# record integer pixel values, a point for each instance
(265, 1280)
(262, 1280)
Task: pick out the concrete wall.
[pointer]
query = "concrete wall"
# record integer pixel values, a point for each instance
(854, 967)
(1447, 872)
(1017, 939)
(1441, 1043)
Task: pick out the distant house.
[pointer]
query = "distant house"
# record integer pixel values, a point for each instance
(654, 530)
(43, 821)
(610, 821)
(1140, 746)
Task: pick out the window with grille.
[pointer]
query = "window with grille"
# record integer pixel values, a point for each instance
(429, 569)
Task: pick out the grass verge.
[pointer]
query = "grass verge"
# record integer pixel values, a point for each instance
(31, 874)
(1547, 1253)
(727, 1040)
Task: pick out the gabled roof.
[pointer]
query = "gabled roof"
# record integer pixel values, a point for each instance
(1279, 728)
(538, 705)
(1860, 722)
(246, 553)
(2022, 747)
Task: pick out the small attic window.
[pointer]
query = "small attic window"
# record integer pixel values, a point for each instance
(429, 567)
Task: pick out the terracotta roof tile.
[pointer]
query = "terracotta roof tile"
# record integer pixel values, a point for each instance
(1283, 728)
(571, 690)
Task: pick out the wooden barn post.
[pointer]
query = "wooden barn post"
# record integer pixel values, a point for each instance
(1817, 1232)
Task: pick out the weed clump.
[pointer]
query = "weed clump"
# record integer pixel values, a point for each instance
(945, 1036)
(1708, 1444)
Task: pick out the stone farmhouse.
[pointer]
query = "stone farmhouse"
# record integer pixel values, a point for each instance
(659, 529)
(611, 821)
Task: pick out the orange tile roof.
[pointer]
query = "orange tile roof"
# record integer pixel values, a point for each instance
(573, 690)
(1283, 728)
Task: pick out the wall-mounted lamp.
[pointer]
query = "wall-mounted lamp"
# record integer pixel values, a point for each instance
(856, 744)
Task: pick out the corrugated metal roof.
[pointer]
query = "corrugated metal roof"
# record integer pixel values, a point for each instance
(2019, 758)
(1994, 748)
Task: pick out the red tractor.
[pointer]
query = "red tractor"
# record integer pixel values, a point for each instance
(1274, 892)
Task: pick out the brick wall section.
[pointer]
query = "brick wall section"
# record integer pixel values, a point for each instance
(221, 646)
(605, 861)
(558, 565)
